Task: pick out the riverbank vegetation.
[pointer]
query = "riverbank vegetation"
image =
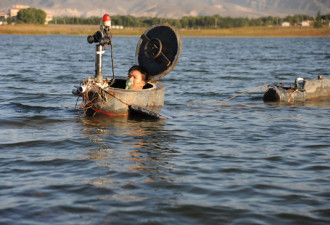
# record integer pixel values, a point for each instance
(195, 22)
(199, 26)
(258, 31)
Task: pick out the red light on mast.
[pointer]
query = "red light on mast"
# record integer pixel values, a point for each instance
(107, 20)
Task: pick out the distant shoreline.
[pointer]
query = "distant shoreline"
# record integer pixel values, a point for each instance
(84, 30)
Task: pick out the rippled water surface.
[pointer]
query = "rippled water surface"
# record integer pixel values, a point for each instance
(239, 162)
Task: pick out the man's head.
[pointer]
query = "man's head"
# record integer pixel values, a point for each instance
(139, 76)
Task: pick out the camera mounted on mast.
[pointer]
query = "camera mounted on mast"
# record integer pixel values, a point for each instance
(103, 38)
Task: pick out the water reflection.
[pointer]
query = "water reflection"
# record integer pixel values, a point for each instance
(129, 148)
(317, 103)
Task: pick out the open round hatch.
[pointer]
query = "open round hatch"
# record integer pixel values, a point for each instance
(159, 50)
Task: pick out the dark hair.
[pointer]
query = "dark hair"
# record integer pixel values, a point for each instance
(142, 70)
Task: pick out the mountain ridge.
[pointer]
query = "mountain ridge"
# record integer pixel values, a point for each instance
(176, 8)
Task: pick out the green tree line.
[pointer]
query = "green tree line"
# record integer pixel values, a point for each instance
(37, 16)
(193, 22)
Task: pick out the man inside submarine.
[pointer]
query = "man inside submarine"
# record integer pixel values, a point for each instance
(137, 78)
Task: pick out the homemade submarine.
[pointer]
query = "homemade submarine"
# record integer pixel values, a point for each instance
(158, 51)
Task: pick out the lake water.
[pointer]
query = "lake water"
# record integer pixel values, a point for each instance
(239, 162)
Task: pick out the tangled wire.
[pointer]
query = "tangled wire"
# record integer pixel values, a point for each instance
(246, 92)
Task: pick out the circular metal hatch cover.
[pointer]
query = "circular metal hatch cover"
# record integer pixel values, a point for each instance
(159, 50)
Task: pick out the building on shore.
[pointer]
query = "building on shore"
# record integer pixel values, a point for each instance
(117, 27)
(3, 16)
(49, 18)
(306, 23)
(16, 8)
(285, 24)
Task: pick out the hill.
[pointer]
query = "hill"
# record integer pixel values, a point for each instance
(175, 8)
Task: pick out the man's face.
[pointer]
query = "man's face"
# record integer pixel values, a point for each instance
(137, 78)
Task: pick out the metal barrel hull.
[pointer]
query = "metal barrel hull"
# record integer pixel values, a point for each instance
(115, 101)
